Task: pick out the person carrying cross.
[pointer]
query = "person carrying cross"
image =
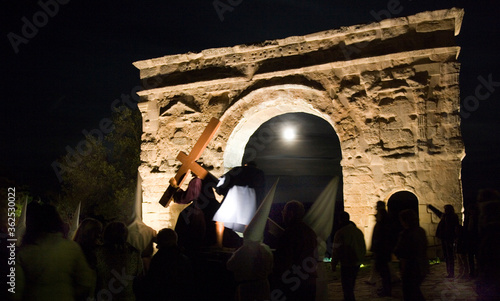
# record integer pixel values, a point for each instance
(242, 187)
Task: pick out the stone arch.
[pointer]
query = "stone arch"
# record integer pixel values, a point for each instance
(401, 200)
(394, 106)
(250, 112)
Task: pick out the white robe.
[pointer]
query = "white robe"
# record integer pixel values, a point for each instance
(238, 207)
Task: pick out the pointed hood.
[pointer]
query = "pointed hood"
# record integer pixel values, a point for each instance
(21, 224)
(75, 222)
(320, 215)
(256, 227)
(140, 235)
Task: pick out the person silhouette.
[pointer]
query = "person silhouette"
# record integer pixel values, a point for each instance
(349, 249)
(382, 246)
(88, 236)
(170, 276)
(252, 263)
(117, 257)
(447, 232)
(471, 228)
(488, 254)
(296, 256)
(48, 266)
(411, 249)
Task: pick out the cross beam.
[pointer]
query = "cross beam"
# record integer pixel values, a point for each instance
(189, 161)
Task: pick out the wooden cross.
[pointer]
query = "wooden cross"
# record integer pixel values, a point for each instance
(189, 161)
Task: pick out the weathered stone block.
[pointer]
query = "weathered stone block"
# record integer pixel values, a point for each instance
(435, 25)
(393, 138)
(401, 73)
(449, 79)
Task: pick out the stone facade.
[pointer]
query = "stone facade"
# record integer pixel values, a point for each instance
(389, 90)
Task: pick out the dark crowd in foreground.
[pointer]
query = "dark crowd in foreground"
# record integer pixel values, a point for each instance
(132, 262)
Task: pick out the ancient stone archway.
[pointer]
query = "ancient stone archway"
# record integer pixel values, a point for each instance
(389, 90)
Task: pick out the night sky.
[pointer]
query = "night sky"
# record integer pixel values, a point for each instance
(67, 67)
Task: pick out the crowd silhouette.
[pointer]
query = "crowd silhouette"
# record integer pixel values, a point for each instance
(99, 263)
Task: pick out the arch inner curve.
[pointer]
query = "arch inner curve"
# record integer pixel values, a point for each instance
(260, 106)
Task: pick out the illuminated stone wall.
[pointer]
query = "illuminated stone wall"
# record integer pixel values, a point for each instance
(389, 89)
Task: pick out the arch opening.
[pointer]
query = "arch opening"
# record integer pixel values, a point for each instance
(400, 201)
(304, 164)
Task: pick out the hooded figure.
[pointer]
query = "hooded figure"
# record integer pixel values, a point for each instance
(140, 235)
(242, 187)
(253, 261)
(320, 219)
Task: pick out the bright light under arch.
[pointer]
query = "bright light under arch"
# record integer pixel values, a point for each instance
(289, 134)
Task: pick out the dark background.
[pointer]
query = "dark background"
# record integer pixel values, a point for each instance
(65, 78)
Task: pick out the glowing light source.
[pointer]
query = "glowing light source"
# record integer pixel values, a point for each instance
(289, 134)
